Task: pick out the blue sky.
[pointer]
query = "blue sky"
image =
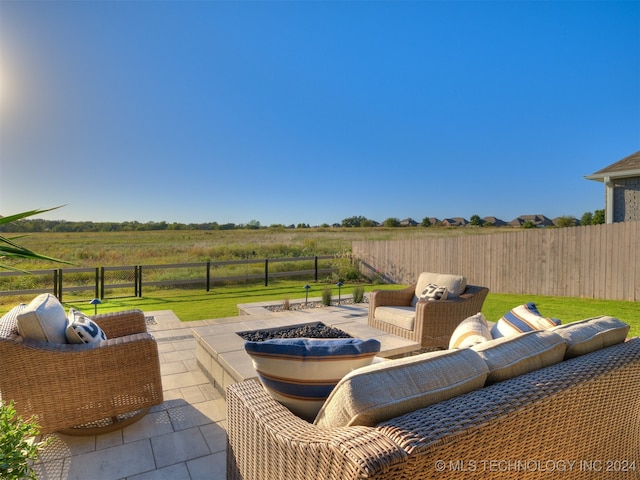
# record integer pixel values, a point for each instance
(312, 112)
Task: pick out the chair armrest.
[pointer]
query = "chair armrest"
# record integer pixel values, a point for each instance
(403, 297)
(267, 441)
(120, 324)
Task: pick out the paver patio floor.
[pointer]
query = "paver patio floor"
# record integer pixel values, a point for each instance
(183, 438)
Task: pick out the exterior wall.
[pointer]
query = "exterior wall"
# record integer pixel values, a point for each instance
(626, 199)
(595, 261)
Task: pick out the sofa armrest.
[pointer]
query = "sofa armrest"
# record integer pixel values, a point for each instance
(267, 441)
(120, 324)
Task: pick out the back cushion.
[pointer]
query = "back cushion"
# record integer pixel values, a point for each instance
(455, 284)
(43, 319)
(372, 394)
(301, 372)
(509, 357)
(591, 334)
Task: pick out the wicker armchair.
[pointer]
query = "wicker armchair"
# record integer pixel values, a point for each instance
(84, 388)
(434, 321)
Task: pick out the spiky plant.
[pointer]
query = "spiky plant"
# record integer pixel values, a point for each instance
(10, 249)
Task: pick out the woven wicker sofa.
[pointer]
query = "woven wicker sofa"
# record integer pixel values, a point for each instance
(84, 389)
(578, 418)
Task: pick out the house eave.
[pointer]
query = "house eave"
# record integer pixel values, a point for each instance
(599, 177)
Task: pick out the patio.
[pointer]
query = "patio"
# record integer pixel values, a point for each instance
(185, 437)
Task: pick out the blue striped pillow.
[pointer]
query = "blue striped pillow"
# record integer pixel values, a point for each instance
(300, 373)
(523, 318)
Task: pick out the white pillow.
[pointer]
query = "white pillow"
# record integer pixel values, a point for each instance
(81, 329)
(43, 319)
(471, 331)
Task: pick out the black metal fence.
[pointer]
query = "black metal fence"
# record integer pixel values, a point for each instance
(100, 281)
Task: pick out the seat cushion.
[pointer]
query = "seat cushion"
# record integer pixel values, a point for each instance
(81, 329)
(523, 318)
(9, 321)
(471, 331)
(378, 392)
(508, 357)
(301, 372)
(43, 319)
(591, 334)
(455, 284)
(403, 317)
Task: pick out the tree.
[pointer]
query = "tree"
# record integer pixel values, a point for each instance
(391, 222)
(475, 220)
(586, 218)
(353, 221)
(425, 222)
(566, 221)
(598, 217)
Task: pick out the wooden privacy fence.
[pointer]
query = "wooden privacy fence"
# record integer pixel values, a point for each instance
(595, 261)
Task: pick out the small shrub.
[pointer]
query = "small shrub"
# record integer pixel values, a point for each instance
(326, 296)
(358, 294)
(285, 304)
(18, 451)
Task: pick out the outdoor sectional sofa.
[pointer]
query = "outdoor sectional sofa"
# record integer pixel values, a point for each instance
(571, 412)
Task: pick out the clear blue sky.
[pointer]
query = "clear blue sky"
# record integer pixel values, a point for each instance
(312, 112)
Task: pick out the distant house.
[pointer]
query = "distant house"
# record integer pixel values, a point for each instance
(455, 222)
(408, 222)
(621, 189)
(536, 220)
(496, 222)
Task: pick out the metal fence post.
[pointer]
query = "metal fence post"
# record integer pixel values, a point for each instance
(266, 272)
(316, 268)
(208, 275)
(60, 285)
(97, 291)
(101, 283)
(140, 281)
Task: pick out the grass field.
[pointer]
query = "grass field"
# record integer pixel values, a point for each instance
(162, 247)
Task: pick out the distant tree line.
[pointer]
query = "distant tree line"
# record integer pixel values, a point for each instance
(41, 225)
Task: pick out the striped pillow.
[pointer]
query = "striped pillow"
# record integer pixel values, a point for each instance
(471, 331)
(300, 373)
(523, 318)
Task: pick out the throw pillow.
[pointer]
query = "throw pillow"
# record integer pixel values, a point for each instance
(81, 329)
(9, 321)
(509, 357)
(300, 373)
(43, 319)
(433, 292)
(379, 392)
(592, 334)
(523, 318)
(471, 331)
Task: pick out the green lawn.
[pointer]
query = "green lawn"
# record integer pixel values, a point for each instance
(222, 302)
(192, 304)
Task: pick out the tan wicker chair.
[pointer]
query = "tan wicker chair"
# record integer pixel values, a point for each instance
(435, 321)
(86, 388)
